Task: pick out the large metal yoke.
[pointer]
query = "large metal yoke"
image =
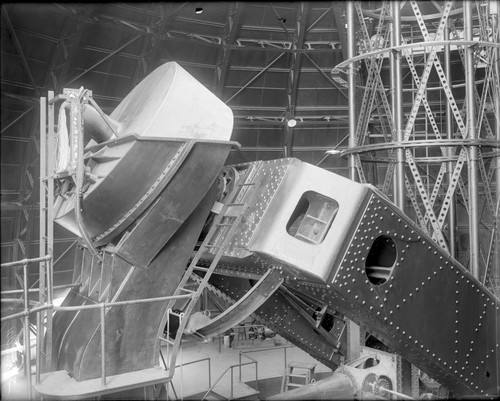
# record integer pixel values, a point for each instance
(284, 190)
(420, 309)
(377, 268)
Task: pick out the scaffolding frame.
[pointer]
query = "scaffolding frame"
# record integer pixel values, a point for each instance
(422, 154)
(427, 185)
(44, 307)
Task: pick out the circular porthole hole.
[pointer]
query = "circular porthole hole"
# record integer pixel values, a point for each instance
(381, 260)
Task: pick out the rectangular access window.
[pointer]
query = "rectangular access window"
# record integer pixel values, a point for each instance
(312, 217)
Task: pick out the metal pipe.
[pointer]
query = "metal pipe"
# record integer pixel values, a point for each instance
(351, 82)
(473, 151)
(27, 345)
(397, 106)
(449, 134)
(494, 10)
(180, 357)
(284, 358)
(232, 379)
(49, 306)
(239, 363)
(38, 347)
(209, 374)
(103, 345)
(43, 221)
(256, 376)
(25, 261)
(353, 339)
(111, 304)
(51, 161)
(398, 395)
(13, 301)
(168, 344)
(56, 287)
(24, 313)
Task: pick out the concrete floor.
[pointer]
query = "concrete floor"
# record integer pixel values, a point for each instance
(272, 356)
(269, 354)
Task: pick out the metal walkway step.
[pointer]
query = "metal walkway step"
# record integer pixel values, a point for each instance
(240, 391)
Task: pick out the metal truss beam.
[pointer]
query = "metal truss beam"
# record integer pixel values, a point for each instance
(103, 60)
(293, 76)
(166, 35)
(5, 14)
(70, 52)
(249, 82)
(158, 33)
(24, 113)
(339, 9)
(439, 180)
(228, 39)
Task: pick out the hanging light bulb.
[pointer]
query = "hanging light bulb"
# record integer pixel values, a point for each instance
(291, 123)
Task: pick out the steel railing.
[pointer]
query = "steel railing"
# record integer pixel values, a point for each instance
(181, 365)
(50, 308)
(231, 369)
(267, 349)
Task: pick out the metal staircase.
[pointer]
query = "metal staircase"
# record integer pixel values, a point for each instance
(222, 230)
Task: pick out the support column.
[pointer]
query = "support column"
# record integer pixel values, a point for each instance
(449, 134)
(473, 150)
(351, 82)
(495, 20)
(353, 330)
(397, 106)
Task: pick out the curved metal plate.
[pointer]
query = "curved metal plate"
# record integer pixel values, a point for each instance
(283, 318)
(245, 306)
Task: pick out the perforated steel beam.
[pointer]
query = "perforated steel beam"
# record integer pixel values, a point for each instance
(473, 151)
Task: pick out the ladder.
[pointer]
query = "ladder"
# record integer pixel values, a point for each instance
(306, 375)
(218, 240)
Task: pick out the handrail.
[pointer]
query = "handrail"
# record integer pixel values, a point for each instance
(200, 360)
(284, 347)
(25, 313)
(240, 354)
(55, 287)
(102, 306)
(92, 306)
(26, 335)
(191, 363)
(26, 261)
(49, 306)
(232, 377)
